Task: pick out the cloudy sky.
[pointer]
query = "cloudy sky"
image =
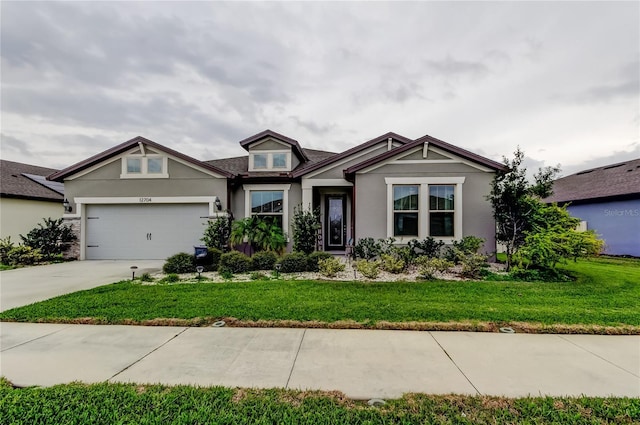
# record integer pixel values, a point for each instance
(559, 79)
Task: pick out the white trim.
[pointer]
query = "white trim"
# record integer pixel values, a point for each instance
(311, 183)
(269, 154)
(141, 145)
(265, 187)
(268, 139)
(459, 158)
(378, 146)
(425, 149)
(101, 164)
(426, 161)
(423, 205)
(144, 167)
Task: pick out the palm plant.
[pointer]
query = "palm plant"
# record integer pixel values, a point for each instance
(260, 234)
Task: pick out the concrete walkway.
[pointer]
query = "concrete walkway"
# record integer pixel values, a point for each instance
(361, 363)
(27, 285)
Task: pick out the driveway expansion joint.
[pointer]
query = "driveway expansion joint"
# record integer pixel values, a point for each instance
(34, 339)
(149, 353)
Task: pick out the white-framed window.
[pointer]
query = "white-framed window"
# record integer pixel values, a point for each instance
(144, 166)
(268, 201)
(270, 161)
(418, 207)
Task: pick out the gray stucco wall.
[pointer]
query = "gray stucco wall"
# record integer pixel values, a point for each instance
(337, 171)
(477, 215)
(182, 181)
(268, 145)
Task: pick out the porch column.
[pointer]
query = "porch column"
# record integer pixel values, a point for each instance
(307, 198)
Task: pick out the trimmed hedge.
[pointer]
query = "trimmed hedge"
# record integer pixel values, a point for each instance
(180, 263)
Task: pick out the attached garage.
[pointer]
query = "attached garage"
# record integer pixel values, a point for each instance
(143, 231)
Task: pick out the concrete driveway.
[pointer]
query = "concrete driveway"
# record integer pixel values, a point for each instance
(30, 284)
(361, 363)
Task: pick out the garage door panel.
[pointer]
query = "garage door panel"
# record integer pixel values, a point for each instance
(143, 231)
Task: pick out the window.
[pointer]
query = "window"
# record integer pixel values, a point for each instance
(418, 207)
(268, 204)
(134, 165)
(147, 167)
(279, 160)
(269, 160)
(441, 210)
(259, 160)
(405, 210)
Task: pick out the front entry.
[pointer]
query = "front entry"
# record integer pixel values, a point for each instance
(335, 224)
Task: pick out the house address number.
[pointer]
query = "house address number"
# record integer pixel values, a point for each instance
(145, 200)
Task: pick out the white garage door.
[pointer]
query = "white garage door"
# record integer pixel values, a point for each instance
(143, 232)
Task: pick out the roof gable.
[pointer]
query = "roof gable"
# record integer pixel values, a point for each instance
(432, 141)
(350, 152)
(295, 146)
(124, 147)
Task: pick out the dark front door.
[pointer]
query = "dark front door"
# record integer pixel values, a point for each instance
(335, 222)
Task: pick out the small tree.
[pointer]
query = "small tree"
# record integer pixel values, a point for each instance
(218, 233)
(305, 226)
(514, 201)
(51, 238)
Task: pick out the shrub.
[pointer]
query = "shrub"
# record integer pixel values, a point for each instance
(427, 247)
(180, 263)
(367, 249)
(234, 262)
(170, 278)
(264, 260)
(146, 277)
(5, 246)
(427, 267)
(293, 262)
(465, 246)
(258, 276)
(22, 255)
(305, 228)
(217, 234)
(368, 269)
(314, 258)
(226, 274)
(473, 266)
(330, 267)
(392, 263)
(213, 259)
(51, 238)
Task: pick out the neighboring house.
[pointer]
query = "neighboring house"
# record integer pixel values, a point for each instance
(26, 197)
(607, 199)
(142, 200)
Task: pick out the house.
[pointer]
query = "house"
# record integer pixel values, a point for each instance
(141, 200)
(607, 200)
(26, 197)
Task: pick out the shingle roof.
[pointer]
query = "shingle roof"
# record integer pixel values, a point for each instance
(123, 147)
(240, 164)
(15, 184)
(610, 181)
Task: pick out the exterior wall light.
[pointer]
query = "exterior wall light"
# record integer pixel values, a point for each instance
(218, 204)
(67, 205)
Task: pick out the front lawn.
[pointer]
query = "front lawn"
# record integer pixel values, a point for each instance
(129, 403)
(605, 293)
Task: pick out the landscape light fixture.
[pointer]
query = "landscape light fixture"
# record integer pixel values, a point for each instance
(278, 266)
(133, 272)
(67, 205)
(199, 269)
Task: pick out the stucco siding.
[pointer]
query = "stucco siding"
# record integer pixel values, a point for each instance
(371, 199)
(270, 145)
(182, 181)
(618, 223)
(418, 155)
(337, 171)
(18, 216)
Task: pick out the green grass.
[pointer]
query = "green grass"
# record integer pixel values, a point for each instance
(135, 404)
(6, 267)
(605, 293)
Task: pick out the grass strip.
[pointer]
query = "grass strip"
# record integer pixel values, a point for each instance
(106, 403)
(602, 299)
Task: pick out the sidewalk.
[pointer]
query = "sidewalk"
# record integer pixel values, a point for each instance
(361, 363)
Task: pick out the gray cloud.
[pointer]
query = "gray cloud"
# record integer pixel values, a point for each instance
(13, 144)
(313, 127)
(454, 68)
(613, 158)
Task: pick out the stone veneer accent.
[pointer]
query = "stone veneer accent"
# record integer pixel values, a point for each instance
(73, 252)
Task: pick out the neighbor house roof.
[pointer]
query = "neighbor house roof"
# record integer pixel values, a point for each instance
(269, 133)
(359, 148)
(621, 180)
(434, 142)
(96, 159)
(26, 181)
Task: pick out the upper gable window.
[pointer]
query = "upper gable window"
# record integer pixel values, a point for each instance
(270, 161)
(148, 167)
